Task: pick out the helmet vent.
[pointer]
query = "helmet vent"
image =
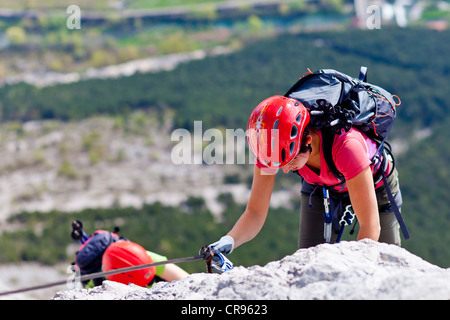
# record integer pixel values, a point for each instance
(283, 155)
(275, 124)
(279, 111)
(291, 148)
(299, 118)
(294, 131)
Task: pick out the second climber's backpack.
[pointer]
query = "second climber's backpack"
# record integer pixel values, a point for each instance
(89, 255)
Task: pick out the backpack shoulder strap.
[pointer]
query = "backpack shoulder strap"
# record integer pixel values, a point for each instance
(396, 209)
(327, 148)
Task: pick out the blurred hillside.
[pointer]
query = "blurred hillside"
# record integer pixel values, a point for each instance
(41, 39)
(99, 149)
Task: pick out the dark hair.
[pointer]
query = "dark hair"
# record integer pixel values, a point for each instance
(304, 147)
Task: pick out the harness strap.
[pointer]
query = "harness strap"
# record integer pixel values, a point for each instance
(395, 208)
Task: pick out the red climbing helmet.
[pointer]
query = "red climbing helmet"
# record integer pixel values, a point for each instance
(123, 254)
(275, 129)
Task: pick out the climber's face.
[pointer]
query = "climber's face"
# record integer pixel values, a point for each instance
(297, 163)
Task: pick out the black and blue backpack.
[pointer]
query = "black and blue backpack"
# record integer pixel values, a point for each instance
(338, 102)
(89, 256)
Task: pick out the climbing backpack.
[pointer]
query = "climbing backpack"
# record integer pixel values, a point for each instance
(89, 256)
(338, 102)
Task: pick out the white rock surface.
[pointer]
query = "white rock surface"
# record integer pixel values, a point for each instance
(348, 270)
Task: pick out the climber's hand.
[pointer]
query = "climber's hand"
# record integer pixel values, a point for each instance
(225, 245)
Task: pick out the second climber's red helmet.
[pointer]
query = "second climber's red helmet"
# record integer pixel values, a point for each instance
(122, 254)
(275, 129)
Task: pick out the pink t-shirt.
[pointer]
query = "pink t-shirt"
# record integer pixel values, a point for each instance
(352, 153)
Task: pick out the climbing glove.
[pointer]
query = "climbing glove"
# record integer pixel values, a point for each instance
(225, 245)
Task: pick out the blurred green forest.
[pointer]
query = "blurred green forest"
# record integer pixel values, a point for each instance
(411, 63)
(222, 91)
